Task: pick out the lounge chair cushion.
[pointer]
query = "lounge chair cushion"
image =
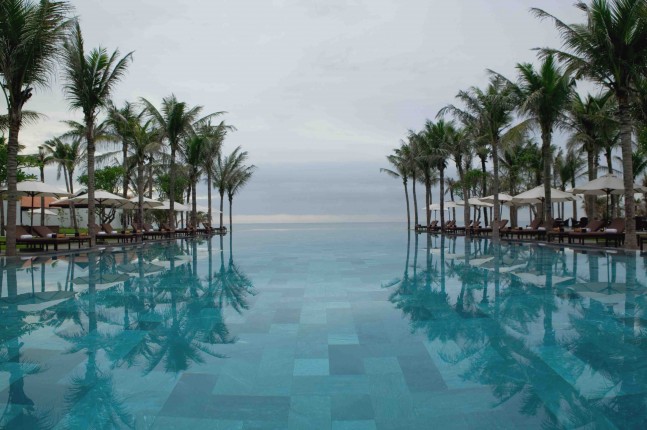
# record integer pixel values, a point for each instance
(541, 228)
(101, 232)
(611, 230)
(26, 236)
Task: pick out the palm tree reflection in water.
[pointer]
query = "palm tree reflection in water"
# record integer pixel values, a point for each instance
(146, 308)
(481, 311)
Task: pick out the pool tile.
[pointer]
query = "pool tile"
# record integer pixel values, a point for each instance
(249, 408)
(351, 407)
(345, 360)
(309, 412)
(354, 425)
(311, 367)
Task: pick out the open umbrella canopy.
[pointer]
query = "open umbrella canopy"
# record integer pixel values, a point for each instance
(148, 203)
(101, 198)
(536, 195)
(178, 207)
(607, 184)
(37, 189)
(475, 201)
(45, 211)
(502, 198)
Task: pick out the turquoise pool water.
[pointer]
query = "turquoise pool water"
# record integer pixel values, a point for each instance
(325, 327)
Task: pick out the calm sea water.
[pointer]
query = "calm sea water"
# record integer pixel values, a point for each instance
(346, 326)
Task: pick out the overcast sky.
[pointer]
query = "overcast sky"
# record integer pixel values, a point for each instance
(320, 90)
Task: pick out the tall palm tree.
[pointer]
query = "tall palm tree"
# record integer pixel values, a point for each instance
(587, 119)
(215, 136)
(610, 49)
(399, 171)
(544, 96)
(409, 154)
(461, 153)
(439, 137)
(489, 114)
(143, 140)
(42, 159)
(424, 166)
(176, 121)
(67, 157)
(31, 34)
(237, 180)
(194, 151)
(89, 81)
(225, 168)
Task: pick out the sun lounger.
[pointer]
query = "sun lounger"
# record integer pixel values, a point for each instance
(33, 242)
(484, 230)
(536, 230)
(46, 231)
(614, 233)
(107, 232)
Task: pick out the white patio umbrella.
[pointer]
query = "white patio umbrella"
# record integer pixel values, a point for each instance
(450, 204)
(503, 198)
(606, 185)
(475, 201)
(148, 203)
(178, 207)
(101, 198)
(44, 211)
(536, 195)
(36, 189)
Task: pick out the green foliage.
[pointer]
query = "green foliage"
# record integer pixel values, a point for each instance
(108, 178)
(163, 183)
(23, 161)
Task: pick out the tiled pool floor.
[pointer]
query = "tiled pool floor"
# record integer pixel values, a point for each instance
(325, 327)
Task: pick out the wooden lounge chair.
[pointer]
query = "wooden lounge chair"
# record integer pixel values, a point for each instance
(484, 230)
(107, 232)
(615, 233)
(592, 226)
(34, 242)
(46, 231)
(537, 229)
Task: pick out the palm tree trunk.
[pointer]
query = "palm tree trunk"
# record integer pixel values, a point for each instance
(415, 200)
(72, 208)
(574, 201)
(627, 169)
(124, 154)
(427, 200)
(89, 135)
(171, 211)
(222, 198)
(590, 200)
(150, 178)
(194, 217)
(209, 195)
(406, 196)
(42, 199)
(12, 171)
(547, 159)
(231, 203)
(1, 217)
(442, 200)
(140, 194)
(484, 182)
(495, 191)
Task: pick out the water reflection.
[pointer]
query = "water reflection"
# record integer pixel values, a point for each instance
(557, 335)
(151, 308)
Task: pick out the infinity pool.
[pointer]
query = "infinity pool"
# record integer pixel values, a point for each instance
(325, 327)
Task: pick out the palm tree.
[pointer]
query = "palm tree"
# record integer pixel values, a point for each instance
(176, 121)
(489, 114)
(423, 165)
(439, 137)
(236, 181)
(194, 151)
(409, 154)
(42, 159)
(587, 119)
(215, 136)
(610, 49)
(400, 171)
(225, 168)
(461, 153)
(90, 79)
(31, 34)
(544, 96)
